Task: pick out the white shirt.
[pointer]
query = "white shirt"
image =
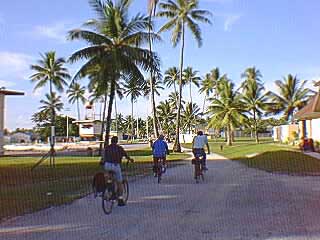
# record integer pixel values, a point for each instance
(200, 141)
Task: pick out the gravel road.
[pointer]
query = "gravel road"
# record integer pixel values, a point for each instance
(234, 202)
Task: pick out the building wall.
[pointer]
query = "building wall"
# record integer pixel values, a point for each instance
(315, 129)
(285, 133)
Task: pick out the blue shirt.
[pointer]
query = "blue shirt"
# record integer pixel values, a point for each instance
(159, 148)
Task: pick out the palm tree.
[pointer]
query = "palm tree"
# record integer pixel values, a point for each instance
(174, 99)
(182, 14)
(50, 70)
(134, 90)
(52, 104)
(76, 94)
(152, 6)
(191, 77)
(216, 78)
(226, 111)
(253, 96)
(191, 116)
(292, 95)
(166, 115)
(115, 42)
(207, 87)
(157, 86)
(171, 77)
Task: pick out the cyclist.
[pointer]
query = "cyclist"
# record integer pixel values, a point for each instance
(198, 144)
(112, 159)
(159, 151)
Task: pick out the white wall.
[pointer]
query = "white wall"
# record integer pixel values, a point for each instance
(315, 128)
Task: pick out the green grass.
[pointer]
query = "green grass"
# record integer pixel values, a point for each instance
(267, 156)
(24, 191)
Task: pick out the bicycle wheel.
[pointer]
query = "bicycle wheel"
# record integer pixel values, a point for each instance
(159, 173)
(125, 191)
(107, 201)
(197, 171)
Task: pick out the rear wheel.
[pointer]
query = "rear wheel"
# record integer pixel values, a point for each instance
(107, 201)
(125, 191)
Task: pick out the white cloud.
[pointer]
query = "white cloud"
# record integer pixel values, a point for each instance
(230, 21)
(6, 84)
(14, 67)
(57, 31)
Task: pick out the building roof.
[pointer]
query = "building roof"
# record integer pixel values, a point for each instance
(311, 110)
(86, 121)
(10, 92)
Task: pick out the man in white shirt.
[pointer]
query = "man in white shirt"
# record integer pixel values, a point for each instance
(198, 144)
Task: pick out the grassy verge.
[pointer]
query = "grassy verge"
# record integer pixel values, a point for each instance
(268, 156)
(23, 191)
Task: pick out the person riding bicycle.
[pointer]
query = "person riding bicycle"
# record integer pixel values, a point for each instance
(112, 159)
(198, 144)
(159, 151)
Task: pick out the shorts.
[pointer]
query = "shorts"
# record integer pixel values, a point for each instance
(115, 168)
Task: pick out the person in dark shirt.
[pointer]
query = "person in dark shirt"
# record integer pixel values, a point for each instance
(112, 159)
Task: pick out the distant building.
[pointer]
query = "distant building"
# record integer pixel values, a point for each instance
(20, 137)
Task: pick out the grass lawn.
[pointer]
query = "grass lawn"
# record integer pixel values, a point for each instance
(267, 156)
(24, 191)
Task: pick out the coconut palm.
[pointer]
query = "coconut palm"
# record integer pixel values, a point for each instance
(174, 99)
(134, 90)
(76, 94)
(166, 116)
(207, 87)
(182, 14)
(226, 111)
(52, 104)
(254, 96)
(292, 95)
(152, 6)
(157, 86)
(50, 70)
(171, 77)
(191, 116)
(115, 42)
(191, 77)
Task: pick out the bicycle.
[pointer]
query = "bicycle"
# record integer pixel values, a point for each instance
(105, 186)
(198, 168)
(160, 168)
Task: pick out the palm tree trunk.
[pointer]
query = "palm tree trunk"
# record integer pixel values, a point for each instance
(103, 121)
(177, 146)
(153, 103)
(78, 107)
(116, 110)
(132, 121)
(255, 126)
(108, 124)
(229, 137)
(52, 138)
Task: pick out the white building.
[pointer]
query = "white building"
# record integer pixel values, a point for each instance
(20, 137)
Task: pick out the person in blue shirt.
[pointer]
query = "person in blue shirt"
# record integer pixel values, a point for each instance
(160, 151)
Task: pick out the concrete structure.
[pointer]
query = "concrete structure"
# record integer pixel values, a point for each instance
(285, 133)
(4, 92)
(20, 137)
(89, 129)
(309, 119)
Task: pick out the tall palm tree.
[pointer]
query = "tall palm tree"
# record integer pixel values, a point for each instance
(52, 103)
(115, 42)
(207, 87)
(173, 99)
(292, 96)
(50, 70)
(226, 111)
(190, 77)
(76, 94)
(134, 90)
(182, 14)
(216, 78)
(157, 86)
(253, 96)
(152, 6)
(191, 116)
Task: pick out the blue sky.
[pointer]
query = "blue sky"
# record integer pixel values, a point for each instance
(276, 36)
